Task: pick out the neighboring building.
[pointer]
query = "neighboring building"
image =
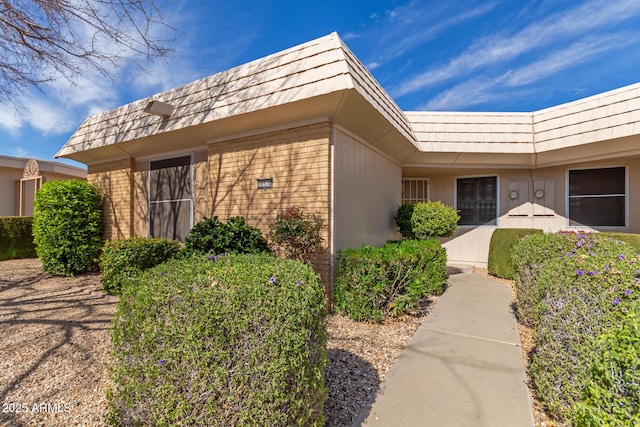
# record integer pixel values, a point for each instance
(310, 126)
(20, 178)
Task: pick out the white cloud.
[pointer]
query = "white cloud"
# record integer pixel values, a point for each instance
(580, 21)
(484, 89)
(415, 23)
(580, 52)
(9, 119)
(20, 152)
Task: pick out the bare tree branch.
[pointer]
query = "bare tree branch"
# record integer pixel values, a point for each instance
(43, 40)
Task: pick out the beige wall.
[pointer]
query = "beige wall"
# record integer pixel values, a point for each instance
(115, 180)
(471, 244)
(9, 198)
(298, 160)
(225, 183)
(367, 193)
(10, 188)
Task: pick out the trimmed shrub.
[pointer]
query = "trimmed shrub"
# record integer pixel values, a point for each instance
(124, 258)
(67, 226)
(612, 391)
(503, 240)
(403, 221)
(296, 235)
(231, 340)
(213, 236)
(376, 283)
(572, 288)
(433, 219)
(16, 237)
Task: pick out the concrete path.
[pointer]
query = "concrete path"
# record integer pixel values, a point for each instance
(463, 367)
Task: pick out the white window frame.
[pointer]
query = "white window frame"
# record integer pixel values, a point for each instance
(626, 200)
(191, 188)
(455, 199)
(411, 200)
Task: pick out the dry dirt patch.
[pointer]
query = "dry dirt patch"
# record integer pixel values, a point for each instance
(55, 344)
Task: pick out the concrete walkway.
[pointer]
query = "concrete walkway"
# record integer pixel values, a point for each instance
(463, 367)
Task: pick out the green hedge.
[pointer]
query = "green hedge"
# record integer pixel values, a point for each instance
(376, 283)
(67, 226)
(230, 340)
(612, 391)
(16, 239)
(573, 288)
(124, 258)
(211, 235)
(433, 219)
(503, 240)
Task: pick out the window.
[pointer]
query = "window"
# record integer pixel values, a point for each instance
(170, 200)
(477, 200)
(415, 190)
(597, 197)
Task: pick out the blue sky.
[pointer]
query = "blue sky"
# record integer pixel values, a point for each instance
(463, 55)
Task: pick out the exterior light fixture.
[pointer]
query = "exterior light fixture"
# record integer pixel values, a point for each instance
(513, 195)
(159, 108)
(539, 194)
(265, 183)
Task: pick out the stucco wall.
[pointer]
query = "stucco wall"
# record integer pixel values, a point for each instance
(367, 193)
(471, 244)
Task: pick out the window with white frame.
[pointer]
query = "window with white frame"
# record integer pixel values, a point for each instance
(415, 190)
(170, 198)
(477, 200)
(597, 197)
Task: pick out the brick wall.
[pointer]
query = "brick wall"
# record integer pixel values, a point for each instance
(299, 162)
(115, 181)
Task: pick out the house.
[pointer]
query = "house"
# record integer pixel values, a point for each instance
(310, 126)
(20, 178)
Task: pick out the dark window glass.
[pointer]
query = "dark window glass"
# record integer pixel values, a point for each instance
(590, 182)
(597, 197)
(477, 200)
(170, 198)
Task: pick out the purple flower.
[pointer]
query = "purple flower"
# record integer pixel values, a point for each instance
(298, 282)
(620, 256)
(616, 301)
(606, 268)
(638, 272)
(627, 292)
(161, 362)
(209, 257)
(579, 272)
(272, 280)
(215, 258)
(593, 273)
(579, 244)
(162, 273)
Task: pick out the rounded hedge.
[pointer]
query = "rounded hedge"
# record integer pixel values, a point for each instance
(572, 288)
(403, 221)
(124, 258)
(67, 226)
(211, 235)
(433, 219)
(375, 283)
(220, 340)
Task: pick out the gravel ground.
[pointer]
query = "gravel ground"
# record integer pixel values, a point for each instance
(55, 335)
